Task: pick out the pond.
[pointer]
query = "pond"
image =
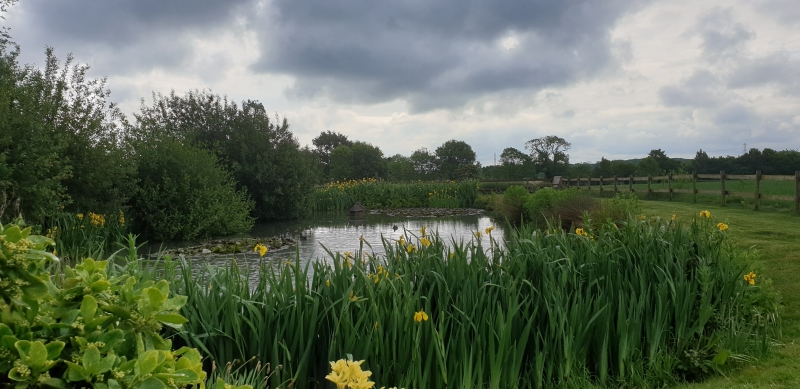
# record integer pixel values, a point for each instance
(337, 232)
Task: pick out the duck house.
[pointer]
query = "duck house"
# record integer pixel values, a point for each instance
(357, 210)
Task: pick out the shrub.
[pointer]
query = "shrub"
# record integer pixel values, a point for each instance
(184, 194)
(617, 208)
(513, 202)
(91, 330)
(568, 206)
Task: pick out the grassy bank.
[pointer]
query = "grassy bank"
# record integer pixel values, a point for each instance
(776, 237)
(743, 190)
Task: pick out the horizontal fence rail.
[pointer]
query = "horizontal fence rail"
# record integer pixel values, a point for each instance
(626, 184)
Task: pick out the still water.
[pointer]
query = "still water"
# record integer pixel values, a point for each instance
(337, 232)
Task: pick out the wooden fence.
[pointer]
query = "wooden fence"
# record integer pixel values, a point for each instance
(625, 184)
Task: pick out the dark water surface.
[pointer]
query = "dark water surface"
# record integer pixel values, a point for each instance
(336, 232)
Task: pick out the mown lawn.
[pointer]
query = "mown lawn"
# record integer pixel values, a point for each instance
(776, 236)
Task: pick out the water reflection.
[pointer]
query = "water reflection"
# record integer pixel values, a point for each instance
(338, 232)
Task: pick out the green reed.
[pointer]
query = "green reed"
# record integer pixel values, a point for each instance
(89, 235)
(372, 194)
(641, 303)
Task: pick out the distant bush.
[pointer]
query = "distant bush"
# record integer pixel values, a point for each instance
(617, 208)
(185, 194)
(512, 203)
(567, 206)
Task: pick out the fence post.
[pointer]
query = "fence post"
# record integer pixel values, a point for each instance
(615, 184)
(601, 185)
(589, 183)
(630, 183)
(649, 181)
(758, 189)
(669, 183)
(797, 192)
(694, 187)
(722, 181)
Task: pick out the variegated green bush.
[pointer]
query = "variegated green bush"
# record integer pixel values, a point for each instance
(87, 329)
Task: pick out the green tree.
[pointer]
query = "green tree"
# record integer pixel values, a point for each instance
(400, 168)
(455, 160)
(341, 163)
(516, 165)
(324, 144)
(59, 145)
(665, 163)
(648, 166)
(262, 155)
(368, 161)
(184, 193)
(424, 163)
(550, 154)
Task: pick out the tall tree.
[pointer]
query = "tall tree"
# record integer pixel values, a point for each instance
(324, 144)
(666, 163)
(549, 153)
(400, 168)
(455, 160)
(424, 163)
(516, 165)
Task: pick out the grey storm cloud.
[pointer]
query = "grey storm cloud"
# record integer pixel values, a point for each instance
(436, 54)
(701, 89)
(777, 69)
(722, 37)
(120, 36)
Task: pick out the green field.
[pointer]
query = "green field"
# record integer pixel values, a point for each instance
(776, 236)
(741, 192)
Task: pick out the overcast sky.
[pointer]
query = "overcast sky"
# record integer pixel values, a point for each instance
(616, 78)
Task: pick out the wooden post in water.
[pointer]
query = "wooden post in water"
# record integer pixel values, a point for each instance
(694, 187)
(722, 181)
(758, 189)
(669, 183)
(615, 184)
(649, 181)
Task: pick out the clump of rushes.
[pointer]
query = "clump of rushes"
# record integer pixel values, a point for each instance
(637, 303)
(92, 235)
(373, 194)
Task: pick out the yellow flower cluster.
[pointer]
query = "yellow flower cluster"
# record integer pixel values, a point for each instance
(260, 249)
(420, 316)
(348, 375)
(674, 217)
(353, 297)
(52, 233)
(705, 214)
(750, 278)
(97, 220)
(581, 232)
(79, 216)
(489, 230)
(424, 231)
(410, 248)
(722, 226)
(351, 183)
(121, 219)
(376, 276)
(478, 234)
(425, 242)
